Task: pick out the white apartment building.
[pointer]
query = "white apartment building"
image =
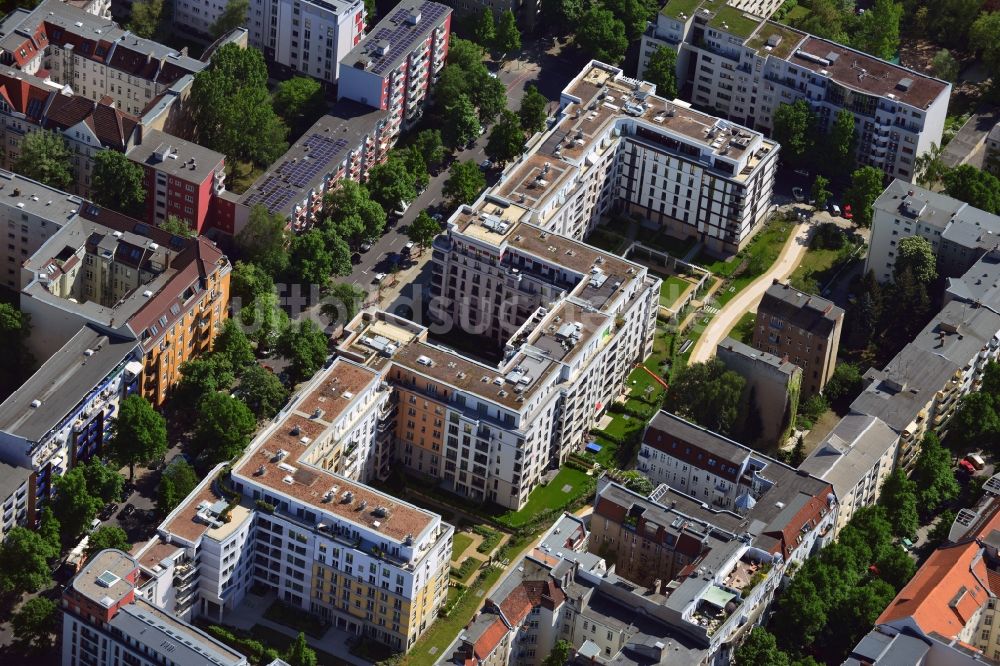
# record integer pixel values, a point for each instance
(308, 37)
(615, 146)
(743, 67)
(16, 501)
(959, 234)
(394, 66)
(198, 16)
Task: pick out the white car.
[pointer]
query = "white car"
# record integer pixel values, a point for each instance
(379, 277)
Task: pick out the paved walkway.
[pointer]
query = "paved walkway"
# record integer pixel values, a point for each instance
(748, 299)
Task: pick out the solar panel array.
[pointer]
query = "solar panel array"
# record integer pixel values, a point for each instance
(402, 38)
(293, 176)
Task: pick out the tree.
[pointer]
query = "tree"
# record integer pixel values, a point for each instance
(262, 392)
(662, 72)
(266, 319)
(974, 186)
(73, 505)
(944, 66)
(508, 37)
(506, 140)
(896, 568)
(299, 653)
(103, 481)
(178, 227)
(428, 142)
(24, 566)
(50, 530)
(201, 375)
(910, 306)
(602, 34)
(305, 346)
(232, 17)
(984, 37)
(760, 648)
(350, 213)
(939, 533)
(826, 20)
(933, 476)
(461, 124)
(914, 253)
(708, 394)
(488, 95)
(232, 344)
(532, 112)
(975, 422)
(953, 20)
(485, 31)
(415, 166)
(148, 20)
(300, 101)
(899, 497)
(262, 241)
(636, 481)
(117, 183)
(844, 384)
(140, 433)
(345, 300)
(561, 15)
(866, 185)
(423, 230)
(223, 428)
(309, 261)
(45, 157)
(465, 182)
(929, 168)
(634, 15)
(559, 654)
(819, 193)
(798, 452)
(390, 184)
(176, 483)
(879, 30)
(35, 622)
(231, 107)
(105, 537)
(794, 126)
(840, 143)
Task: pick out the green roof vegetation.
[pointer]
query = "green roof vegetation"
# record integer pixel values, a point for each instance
(735, 22)
(674, 8)
(789, 38)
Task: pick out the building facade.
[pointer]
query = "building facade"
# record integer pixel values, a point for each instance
(802, 328)
(743, 67)
(393, 67)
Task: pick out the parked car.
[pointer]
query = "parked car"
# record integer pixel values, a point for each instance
(356, 258)
(366, 246)
(848, 214)
(407, 249)
(967, 467)
(378, 278)
(128, 510)
(976, 460)
(94, 524)
(108, 511)
(835, 210)
(486, 164)
(798, 194)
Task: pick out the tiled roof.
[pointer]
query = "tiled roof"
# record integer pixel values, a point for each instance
(112, 126)
(490, 639)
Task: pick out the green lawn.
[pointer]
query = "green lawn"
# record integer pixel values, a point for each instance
(607, 240)
(459, 544)
(819, 264)
(720, 267)
(674, 8)
(640, 382)
(743, 330)
(241, 176)
(732, 20)
(550, 496)
(656, 239)
(662, 345)
(671, 290)
(797, 14)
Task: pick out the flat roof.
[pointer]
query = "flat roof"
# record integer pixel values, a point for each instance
(390, 42)
(177, 157)
(177, 642)
(738, 348)
(104, 578)
(775, 39)
(809, 312)
(12, 477)
(33, 197)
(63, 382)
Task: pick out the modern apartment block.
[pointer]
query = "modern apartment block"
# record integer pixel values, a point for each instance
(616, 147)
(16, 505)
(307, 529)
(183, 179)
(130, 281)
(743, 67)
(803, 328)
(108, 620)
(396, 63)
(958, 233)
(308, 37)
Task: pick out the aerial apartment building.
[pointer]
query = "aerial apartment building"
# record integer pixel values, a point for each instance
(393, 68)
(308, 37)
(616, 147)
(306, 526)
(803, 328)
(736, 63)
(108, 619)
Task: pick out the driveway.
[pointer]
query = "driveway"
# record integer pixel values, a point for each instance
(748, 299)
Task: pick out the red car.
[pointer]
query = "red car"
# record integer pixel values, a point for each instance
(966, 466)
(847, 212)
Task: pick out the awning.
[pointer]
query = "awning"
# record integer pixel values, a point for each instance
(718, 597)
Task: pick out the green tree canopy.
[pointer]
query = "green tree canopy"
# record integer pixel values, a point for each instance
(561, 15)
(485, 30)
(413, 160)
(105, 537)
(508, 37)
(914, 253)
(148, 19)
(350, 212)
(233, 16)
(299, 653)
(866, 185)
(73, 505)
(223, 427)
(464, 54)
(506, 140)
(45, 157)
(760, 648)
(232, 344)
(103, 481)
(974, 186)
(708, 394)
(532, 112)
(262, 391)
(305, 346)
(662, 72)
(24, 566)
(845, 383)
(944, 66)
(17, 362)
(488, 95)
(461, 121)
(933, 475)
(309, 260)
(634, 15)
(35, 622)
(975, 423)
(820, 193)
(430, 144)
(232, 110)
(465, 182)
(300, 101)
(178, 227)
(344, 300)
(266, 320)
(636, 481)
(118, 183)
(140, 433)
(952, 22)
(201, 375)
(559, 654)
(602, 34)
(840, 144)
(878, 33)
(899, 497)
(176, 483)
(423, 230)
(263, 240)
(794, 128)
(51, 532)
(984, 37)
(391, 185)
(928, 167)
